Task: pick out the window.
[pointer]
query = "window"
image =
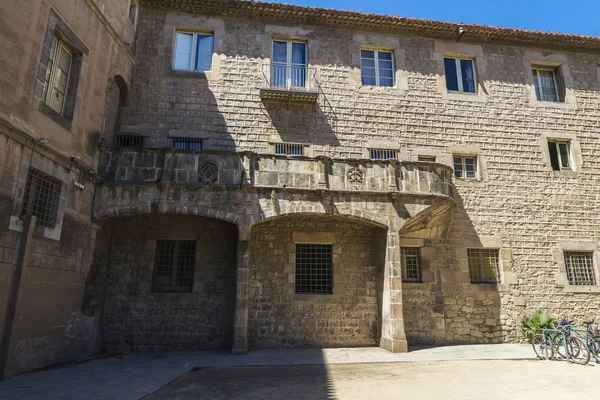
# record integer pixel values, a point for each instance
(382, 154)
(135, 141)
(427, 158)
(183, 143)
(290, 64)
(314, 268)
(580, 267)
(544, 80)
(559, 154)
(174, 266)
(193, 51)
(57, 74)
(42, 194)
(290, 149)
(411, 264)
(465, 167)
(377, 68)
(483, 265)
(132, 11)
(460, 75)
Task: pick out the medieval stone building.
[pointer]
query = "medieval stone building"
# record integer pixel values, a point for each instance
(281, 176)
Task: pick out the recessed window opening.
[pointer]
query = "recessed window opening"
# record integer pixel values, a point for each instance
(460, 75)
(289, 149)
(42, 194)
(185, 143)
(546, 87)
(427, 158)
(383, 154)
(314, 268)
(174, 265)
(483, 265)
(465, 167)
(580, 267)
(411, 264)
(57, 74)
(289, 67)
(377, 68)
(193, 51)
(559, 151)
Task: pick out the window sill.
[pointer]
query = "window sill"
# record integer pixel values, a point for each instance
(564, 173)
(180, 73)
(313, 297)
(582, 289)
(54, 116)
(552, 104)
(464, 96)
(470, 182)
(490, 287)
(377, 89)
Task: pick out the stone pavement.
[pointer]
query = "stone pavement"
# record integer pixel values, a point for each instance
(135, 376)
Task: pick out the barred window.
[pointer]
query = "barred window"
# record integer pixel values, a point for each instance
(42, 193)
(134, 141)
(483, 265)
(184, 143)
(580, 267)
(290, 149)
(314, 268)
(174, 266)
(382, 154)
(411, 264)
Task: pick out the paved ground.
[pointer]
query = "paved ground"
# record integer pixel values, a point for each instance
(134, 376)
(480, 380)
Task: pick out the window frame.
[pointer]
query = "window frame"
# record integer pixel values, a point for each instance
(426, 158)
(376, 59)
(193, 55)
(418, 257)
(557, 143)
(174, 267)
(60, 46)
(570, 272)
(373, 150)
(31, 193)
(459, 77)
(463, 157)
(331, 273)
(289, 64)
(497, 269)
(536, 76)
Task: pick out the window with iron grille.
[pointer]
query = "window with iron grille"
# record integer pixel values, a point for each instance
(483, 265)
(382, 154)
(290, 149)
(42, 194)
(135, 141)
(184, 143)
(411, 264)
(314, 268)
(174, 266)
(580, 267)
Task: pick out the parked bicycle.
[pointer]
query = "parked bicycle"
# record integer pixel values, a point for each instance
(562, 342)
(593, 339)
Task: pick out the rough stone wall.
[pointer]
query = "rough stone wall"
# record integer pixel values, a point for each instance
(278, 317)
(520, 201)
(138, 319)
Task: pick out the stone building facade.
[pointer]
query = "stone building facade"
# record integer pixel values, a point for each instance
(400, 182)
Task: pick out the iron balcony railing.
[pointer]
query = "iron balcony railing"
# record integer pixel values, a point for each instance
(285, 77)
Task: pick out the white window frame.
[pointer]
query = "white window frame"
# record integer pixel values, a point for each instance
(463, 157)
(288, 62)
(459, 77)
(556, 143)
(194, 45)
(537, 70)
(60, 45)
(376, 54)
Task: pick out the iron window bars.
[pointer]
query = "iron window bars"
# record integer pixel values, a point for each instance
(133, 141)
(184, 143)
(483, 265)
(174, 264)
(42, 193)
(411, 264)
(314, 268)
(382, 154)
(290, 149)
(580, 267)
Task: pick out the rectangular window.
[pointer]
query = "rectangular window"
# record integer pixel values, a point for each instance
(411, 264)
(57, 74)
(289, 149)
(382, 154)
(377, 68)
(174, 265)
(460, 75)
(184, 143)
(559, 154)
(483, 265)
(314, 268)
(544, 80)
(290, 65)
(42, 194)
(427, 158)
(132, 11)
(193, 51)
(135, 141)
(580, 267)
(465, 167)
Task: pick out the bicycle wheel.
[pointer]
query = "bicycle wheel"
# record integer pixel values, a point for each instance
(559, 348)
(578, 351)
(541, 347)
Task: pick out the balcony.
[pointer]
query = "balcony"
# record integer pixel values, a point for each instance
(293, 83)
(279, 172)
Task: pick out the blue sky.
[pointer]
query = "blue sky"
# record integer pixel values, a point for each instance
(580, 17)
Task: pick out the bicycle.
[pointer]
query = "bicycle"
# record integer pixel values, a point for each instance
(543, 343)
(593, 339)
(573, 344)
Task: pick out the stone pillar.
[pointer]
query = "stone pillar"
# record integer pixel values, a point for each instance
(391, 173)
(240, 322)
(322, 171)
(393, 337)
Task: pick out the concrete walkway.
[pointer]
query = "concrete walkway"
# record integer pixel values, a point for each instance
(134, 376)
